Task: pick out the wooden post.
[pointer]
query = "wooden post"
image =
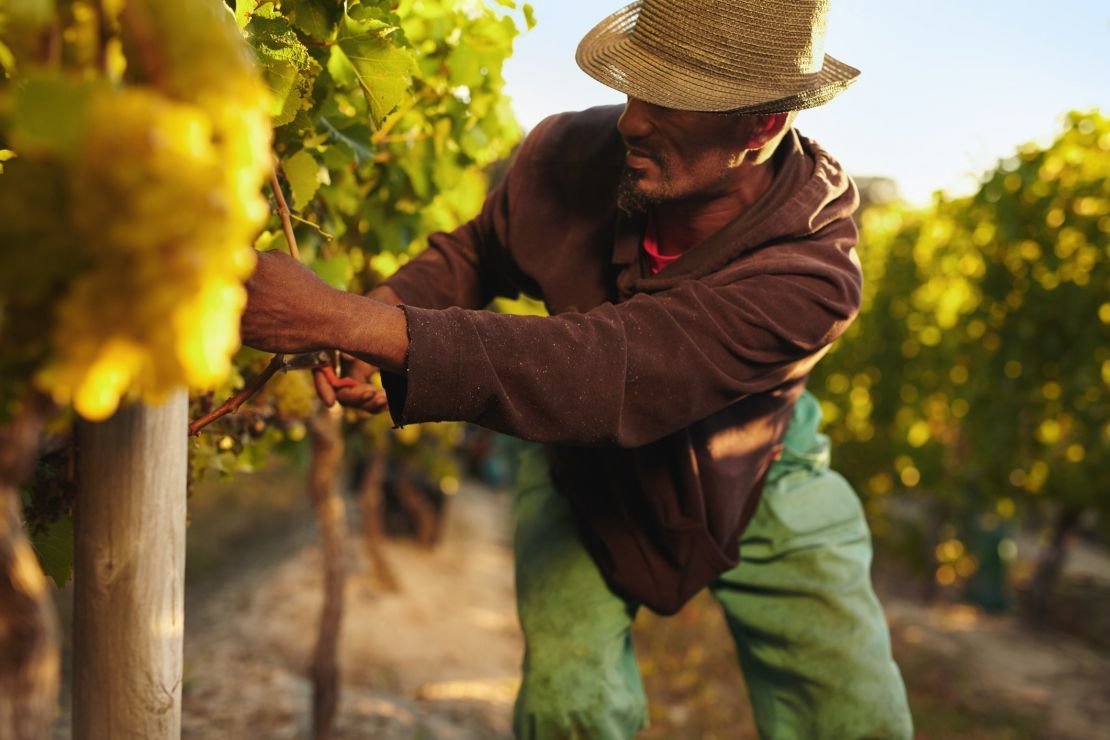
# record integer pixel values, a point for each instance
(129, 574)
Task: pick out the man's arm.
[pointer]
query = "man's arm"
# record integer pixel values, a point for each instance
(363, 394)
(291, 310)
(467, 267)
(624, 374)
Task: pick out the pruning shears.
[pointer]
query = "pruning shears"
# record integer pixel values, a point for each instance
(326, 362)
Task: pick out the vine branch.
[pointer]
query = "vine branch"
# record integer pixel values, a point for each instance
(233, 404)
(284, 212)
(314, 225)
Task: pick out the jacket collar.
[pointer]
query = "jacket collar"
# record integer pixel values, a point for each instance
(806, 181)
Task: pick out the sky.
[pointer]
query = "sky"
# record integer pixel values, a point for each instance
(947, 88)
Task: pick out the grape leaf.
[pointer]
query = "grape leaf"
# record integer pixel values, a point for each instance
(335, 271)
(481, 57)
(303, 174)
(317, 18)
(289, 69)
(355, 139)
(368, 53)
(244, 9)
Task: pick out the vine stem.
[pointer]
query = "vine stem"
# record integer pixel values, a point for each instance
(314, 225)
(233, 404)
(284, 212)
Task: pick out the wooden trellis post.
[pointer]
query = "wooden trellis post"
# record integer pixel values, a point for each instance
(129, 574)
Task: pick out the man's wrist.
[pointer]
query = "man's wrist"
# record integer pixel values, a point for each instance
(371, 330)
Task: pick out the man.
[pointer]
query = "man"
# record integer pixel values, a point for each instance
(696, 256)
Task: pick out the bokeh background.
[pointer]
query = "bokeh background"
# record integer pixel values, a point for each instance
(968, 405)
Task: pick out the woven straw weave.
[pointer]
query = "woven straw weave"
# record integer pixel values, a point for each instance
(755, 56)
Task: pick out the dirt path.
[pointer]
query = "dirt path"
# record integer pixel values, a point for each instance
(441, 659)
(982, 661)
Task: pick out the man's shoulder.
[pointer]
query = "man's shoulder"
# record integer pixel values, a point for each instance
(586, 136)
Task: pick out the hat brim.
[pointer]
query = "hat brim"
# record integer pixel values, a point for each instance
(609, 53)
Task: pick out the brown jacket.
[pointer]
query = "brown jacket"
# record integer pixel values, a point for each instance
(663, 398)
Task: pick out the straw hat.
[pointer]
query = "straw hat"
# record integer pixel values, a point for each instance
(754, 56)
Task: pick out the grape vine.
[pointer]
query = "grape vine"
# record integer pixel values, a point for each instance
(136, 139)
(158, 160)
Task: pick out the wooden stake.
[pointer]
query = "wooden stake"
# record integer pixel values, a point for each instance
(129, 574)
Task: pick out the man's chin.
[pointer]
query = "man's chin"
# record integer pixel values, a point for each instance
(632, 195)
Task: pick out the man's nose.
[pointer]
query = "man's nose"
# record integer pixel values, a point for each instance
(635, 121)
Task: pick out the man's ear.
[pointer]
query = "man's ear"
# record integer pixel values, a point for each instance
(767, 127)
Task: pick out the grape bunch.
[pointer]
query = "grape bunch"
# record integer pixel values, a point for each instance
(159, 197)
(293, 395)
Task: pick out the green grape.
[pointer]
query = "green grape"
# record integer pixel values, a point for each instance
(166, 225)
(293, 395)
(201, 56)
(222, 79)
(155, 199)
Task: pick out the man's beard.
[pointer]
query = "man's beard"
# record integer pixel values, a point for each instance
(634, 201)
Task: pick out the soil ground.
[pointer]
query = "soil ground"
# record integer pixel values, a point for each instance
(440, 659)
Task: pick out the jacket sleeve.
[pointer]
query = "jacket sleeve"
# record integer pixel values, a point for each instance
(634, 372)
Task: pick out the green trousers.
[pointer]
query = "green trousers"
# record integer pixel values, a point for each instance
(810, 634)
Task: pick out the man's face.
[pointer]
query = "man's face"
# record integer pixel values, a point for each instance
(679, 155)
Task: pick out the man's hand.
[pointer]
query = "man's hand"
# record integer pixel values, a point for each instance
(354, 388)
(289, 309)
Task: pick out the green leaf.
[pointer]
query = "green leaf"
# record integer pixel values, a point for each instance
(303, 174)
(467, 193)
(244, 9)
(368, 53)
(317, 18)
(355, 139)
(54, 547)
(289, 69)
(480, 59)
(529, 16)
(335, 271)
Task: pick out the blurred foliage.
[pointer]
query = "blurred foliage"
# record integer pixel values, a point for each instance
(976, 376)
(387, 117)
